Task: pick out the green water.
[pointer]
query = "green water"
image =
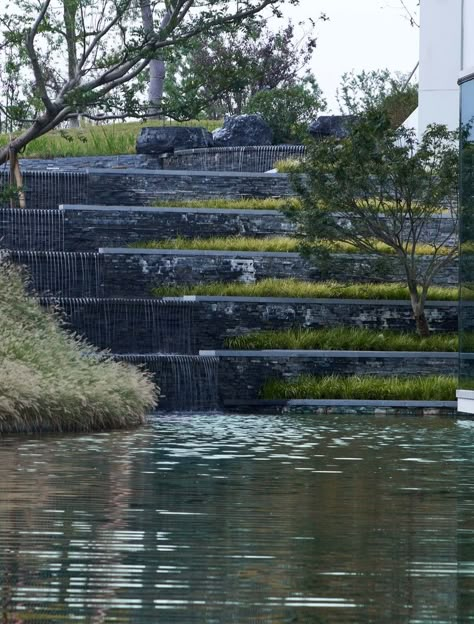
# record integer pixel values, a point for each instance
(246, 520)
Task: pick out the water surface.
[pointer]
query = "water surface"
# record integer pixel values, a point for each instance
(241, 519)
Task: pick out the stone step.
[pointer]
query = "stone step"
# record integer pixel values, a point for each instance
(126, 272)
(218, 318)
(186, 324)
(243, 373)
(141, 269)
(86, 228)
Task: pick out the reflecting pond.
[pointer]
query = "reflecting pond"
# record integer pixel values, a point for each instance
(241, 519)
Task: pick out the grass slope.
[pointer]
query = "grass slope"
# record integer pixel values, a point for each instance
(433, 388)
(293, 288)
(344, 338)
(285, 244)
(104, 140)
(53, 381)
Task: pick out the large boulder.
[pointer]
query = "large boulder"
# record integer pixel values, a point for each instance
(167, 139)
(243, 130)
(331, 126)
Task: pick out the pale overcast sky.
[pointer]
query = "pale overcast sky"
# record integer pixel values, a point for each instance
(361, 34)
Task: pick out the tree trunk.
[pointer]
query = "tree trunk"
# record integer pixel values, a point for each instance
(418, 307)
(157, 66)
(422, 326)
(70, 13)
(156, 86)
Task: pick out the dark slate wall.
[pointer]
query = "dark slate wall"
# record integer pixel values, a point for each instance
(244, 376)
(87, 229)
(130, 273)
(131, 187)
(177, 326)
(138, 271)
(141, 187)
(218, 319)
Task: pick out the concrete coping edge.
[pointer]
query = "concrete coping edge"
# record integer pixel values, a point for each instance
(341, 403)
(305, 300)
(104, 171)
(138, 251)
(169, 209)
(310, 353)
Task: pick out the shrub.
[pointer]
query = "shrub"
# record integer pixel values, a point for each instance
(54, 381)
(288, 110)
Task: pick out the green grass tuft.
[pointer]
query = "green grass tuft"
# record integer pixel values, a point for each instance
(344, 338)
(432, 388)
(293, 288)
(290, 165)
(54, 381)
(282, 244)
(220, 203)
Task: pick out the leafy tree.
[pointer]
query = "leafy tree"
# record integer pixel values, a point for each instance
(288, 110)
(218, 76)
(378, 89)
(382, 185)
(87, 56)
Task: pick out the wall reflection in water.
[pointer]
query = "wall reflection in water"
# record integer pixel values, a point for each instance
(246, 520)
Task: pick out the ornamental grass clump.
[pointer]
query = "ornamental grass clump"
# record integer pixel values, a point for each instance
(344, 338)
(51, 380)
(270, 244)
(430, 388)
(299, 289)
(221, 203)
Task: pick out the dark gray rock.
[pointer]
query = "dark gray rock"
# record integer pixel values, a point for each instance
(243, 130)
(167, 139)
(331, 126)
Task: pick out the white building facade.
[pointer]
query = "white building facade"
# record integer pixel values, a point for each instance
(462, 101)
(446, 54)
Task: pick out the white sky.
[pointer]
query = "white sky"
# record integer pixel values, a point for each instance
(361, 34)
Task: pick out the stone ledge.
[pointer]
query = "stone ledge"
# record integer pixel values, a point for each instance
(310, 353)
(302, 300)
(183, 173)
(172, 210)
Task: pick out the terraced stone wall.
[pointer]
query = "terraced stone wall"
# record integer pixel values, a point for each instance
(243, 375)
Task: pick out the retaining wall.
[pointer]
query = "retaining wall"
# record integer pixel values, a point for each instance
(142, 269)
(134, 273)
(91, 227)
(134, 187)
(243, 373)
(185, 325)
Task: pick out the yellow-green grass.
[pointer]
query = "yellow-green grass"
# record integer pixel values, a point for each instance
(247, 203)
(285, 244)
(344, 338)
(298, 289)
(430, 388)
(221, 203)
(104, 140)
(289, 165)
(54, 381)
